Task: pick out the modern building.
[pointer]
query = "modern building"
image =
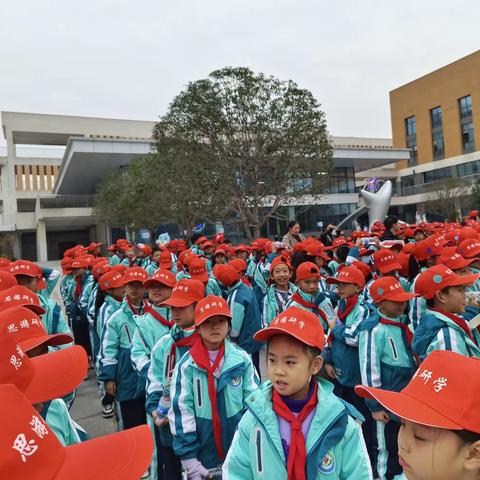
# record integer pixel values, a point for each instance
(437, 117)
(53, 164)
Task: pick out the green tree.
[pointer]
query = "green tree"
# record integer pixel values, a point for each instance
(251, 141)
(445, 198)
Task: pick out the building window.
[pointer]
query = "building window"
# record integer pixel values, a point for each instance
(467, 169)
(312, 217)
(341, 180)
(438, 147)
(411, 141)
(436, 116)
(468, 141)
(407, 183)
(437, 175)
(465, 104)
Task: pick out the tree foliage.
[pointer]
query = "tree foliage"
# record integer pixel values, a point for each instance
(261, 140)
(444, 198)
(236, 144)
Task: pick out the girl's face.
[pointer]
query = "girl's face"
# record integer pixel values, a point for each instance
(159, 293)
(464, 271)
(117, 292)
(156, 256)
(347, 290)
(429, 453)
(219, 259)
(308, 285)
(281, 275)
(295, 230)
(213, 331)
(290, 368)
(135, 292)
(392, 309)
(183, 316)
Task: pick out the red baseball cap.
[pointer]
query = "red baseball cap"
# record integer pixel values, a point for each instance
(7, 280)
(111, 248)
(226, 274)
(307, 270)
(385, 261)
(144, 248)
(429, 247)
(27, 329)
(348, 275)
(239, 264)
(211, 306)
(119, 268)
(111, 279)
(93, 246)
(20, 296)
(163, 276)
(456, 261)
(443, 393)
(198, 269)
(79, 263)
(439, 277)
(338, 242)
(181, 245)
(184, 293)
(24, 267)
(363, 267)
(389, 288)
(135, 274)
(101, 268)
(31, 450)
(45, 377)
(280, 260)
(467, 232)
(220, 251)
(298, 323)
(469, 248)
(242, 248)
(166, 261)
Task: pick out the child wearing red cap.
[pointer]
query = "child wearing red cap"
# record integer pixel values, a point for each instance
(387, 362)
(246, 317)
(295, 428)
(209, 388)
(308, 296)
(280, 289)
(165, 354)
(442, 326)
(439, 438)
(114, 359)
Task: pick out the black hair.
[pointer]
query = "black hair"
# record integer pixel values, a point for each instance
(291, 224)
(390, 221)
(342, 253)
(431, 301)
(413, 268)
(467, 436)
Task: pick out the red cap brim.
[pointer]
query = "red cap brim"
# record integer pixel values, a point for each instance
(400, 297)
(202, 277)
(463, 280)
(57, 373)
(177, 302)
(390, 268)
(51, 340)
(121, 455)
(407, 407)
(266, 333)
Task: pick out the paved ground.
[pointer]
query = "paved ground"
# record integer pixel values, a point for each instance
(87, 410)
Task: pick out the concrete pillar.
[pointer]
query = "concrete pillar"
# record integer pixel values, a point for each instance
(42, 255)
(291, 213)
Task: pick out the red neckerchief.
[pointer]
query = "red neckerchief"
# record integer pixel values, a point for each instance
(246, 281)
(297, 452)
(200, 356)
(459, 321)
(157, 316)
(340, 268)
(132, 307)
(296, 297)
(350, 305)
(408, 332)
(78, 287)
(183, 342)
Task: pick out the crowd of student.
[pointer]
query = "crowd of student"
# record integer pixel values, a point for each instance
(371, 344)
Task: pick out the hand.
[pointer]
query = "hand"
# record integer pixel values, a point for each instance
(111, 387)
(195, 470)
(159, 422)
(330, 371)
(381, 416)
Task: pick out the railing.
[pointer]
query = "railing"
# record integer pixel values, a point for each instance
(427, 187)
(67, 201)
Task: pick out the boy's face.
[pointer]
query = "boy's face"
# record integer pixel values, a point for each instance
(347, 290)
(290, 368)
(241, 254)
(135, 292)
(308, 285)
(27, 282)
(418, 236)
(391, 309)
(429, 453)
(452, 299)
(156, 256)
(281, 275)
(219, 259)
(183, 316)
(159, 293)
(213, 331)
(464, 271)
(117, 292)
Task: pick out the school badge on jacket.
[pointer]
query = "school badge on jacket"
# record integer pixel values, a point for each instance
(328, 464)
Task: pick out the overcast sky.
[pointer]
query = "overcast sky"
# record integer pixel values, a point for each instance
(128, 59)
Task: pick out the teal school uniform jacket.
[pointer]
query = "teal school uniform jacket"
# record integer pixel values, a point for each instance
(190, 414)
(335, 446)
(270, 304)
(115, 354)
(437, 332)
